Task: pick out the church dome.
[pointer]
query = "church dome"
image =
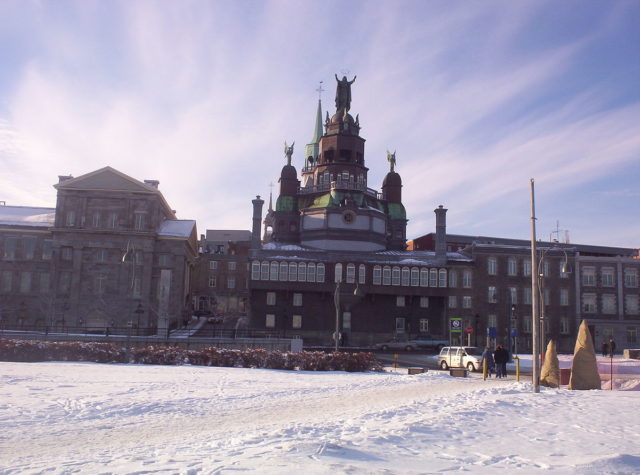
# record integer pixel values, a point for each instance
(392, 179)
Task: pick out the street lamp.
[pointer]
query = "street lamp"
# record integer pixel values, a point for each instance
(358, 293)
(535, 370)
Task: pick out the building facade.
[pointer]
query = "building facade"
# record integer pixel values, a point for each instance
(111, 254)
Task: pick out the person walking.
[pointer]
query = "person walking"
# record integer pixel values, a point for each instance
(612, 347)
(487, 360)
(497, 358)
(605, 348)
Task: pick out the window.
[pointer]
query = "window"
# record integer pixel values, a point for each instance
(351, 273)
(293, 271)
(212, 281)
(346, 320)
(362, 274)
(526, 324)
(452, 301)
(526, 297)
(271, 298)
(526, 268)
(311, 272)
(424, 325)
(113, 220)
(164, 260)
(139, 258)
(589, 303)
(395, 276)
(10, 245)
(320, 273)
(297, 299)
(102, 255)
(632, 335)
(264, 270)
(492, 266)
(255, 270)
(45, 282)
(66, 253)
(492, 321)
(400, 324)
(433, 277)
(47, 245)
(64, 282)
(29, 247)
(137, 287)
(231, 282)
(513, 295)
(232, 266)
(302, 272)
(273, 272)
(609, 304)
(405, 276)
(25, 282)
(564, 325)
(424, 277)
(442, 278)
(400, 301)
(492, 295)
(466, 301)
(424, 302)
(71, 218)
(415, 277)
(631, 304)
(284, 271)
(386, 275)
(453, 278)
(512, 266)
(564, 297)
(213, 265)
(607, 277)
(270, 321)
(466, 279)
(101, 284)
(631, 278)
(296, 321)
(563, 270)
(545, 295)
(139, 221)
(588, 276)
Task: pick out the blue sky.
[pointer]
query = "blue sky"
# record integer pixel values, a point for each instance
(476, 97)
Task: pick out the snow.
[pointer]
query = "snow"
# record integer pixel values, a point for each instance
(95, 418)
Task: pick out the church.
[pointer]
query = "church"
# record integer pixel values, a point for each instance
(333, 261)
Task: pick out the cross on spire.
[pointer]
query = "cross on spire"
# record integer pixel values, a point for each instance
(320, 91)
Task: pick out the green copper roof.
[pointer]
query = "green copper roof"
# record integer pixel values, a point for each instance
(318, 131)
(286, 203)
(397, 211)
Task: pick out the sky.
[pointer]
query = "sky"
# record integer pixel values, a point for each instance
(475, 97)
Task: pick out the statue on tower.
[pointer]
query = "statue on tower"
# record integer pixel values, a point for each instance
(343, 93)
(391, 158)
(288, 151)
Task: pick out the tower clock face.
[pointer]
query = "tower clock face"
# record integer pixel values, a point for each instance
(349, 217)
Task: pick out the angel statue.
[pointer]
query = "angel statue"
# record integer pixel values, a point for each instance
(288, 151)
(391, 158)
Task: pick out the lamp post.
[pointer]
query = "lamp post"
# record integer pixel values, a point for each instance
(535, 373)
(336, 301)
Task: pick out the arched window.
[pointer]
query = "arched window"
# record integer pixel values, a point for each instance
(433, 277)
(273, 273)
(405, 276)
(311, 272)
(386, 275)
(377, 275)
(284, 267)
(442, 278)
(264, 271)
(424, 277)
(293, 271)
(338, 273)
(395, 276)
(351, 273)
(302, 272)
(255, 270)
(362, 274)
(415, 277)
(320, 274)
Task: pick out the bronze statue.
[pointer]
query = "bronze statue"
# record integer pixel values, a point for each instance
(288, 151)
(391, 158)
(343, 93)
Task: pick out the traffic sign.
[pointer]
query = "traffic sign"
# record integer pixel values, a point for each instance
(491, 332)
(469, 330)
(455, 325)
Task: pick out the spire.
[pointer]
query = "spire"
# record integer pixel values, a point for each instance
(317, 133)
(312, 148)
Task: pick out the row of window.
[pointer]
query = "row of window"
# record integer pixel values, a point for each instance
(512, 293)
(232, 266)
(111, 220)
(607, 277)
(608, 304)
(512, 267)
(25, 248)
(231, 282)
(292, 271)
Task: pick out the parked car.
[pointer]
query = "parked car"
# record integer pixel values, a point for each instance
(427, 342)
(469, 357)
(397, 344)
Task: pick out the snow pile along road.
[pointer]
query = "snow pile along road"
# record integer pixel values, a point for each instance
(86, 417)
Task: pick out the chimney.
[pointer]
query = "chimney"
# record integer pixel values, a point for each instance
(257, 220)
(441, 234)
(152, 183)
(62, 178)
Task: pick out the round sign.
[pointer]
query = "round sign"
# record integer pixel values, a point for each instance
(469, 330)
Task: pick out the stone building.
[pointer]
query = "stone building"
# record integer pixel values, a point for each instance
(111, 254)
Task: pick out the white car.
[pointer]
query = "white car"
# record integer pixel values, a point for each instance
(469, 357)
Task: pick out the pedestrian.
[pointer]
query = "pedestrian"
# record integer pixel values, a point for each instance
(612, 347)
(487, 360)
(504, 358)
(605, 348)
(497, 358)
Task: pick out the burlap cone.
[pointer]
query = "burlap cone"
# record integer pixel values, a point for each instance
(584, 370)
(550, 373)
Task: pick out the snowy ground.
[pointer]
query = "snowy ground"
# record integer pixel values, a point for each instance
(94, 418)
